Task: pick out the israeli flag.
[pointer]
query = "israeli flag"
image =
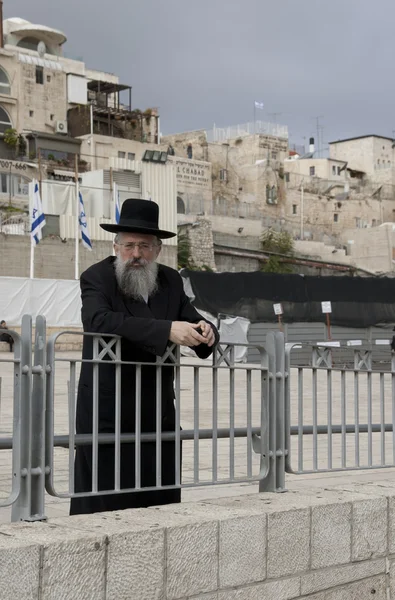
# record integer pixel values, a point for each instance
(86, 240)
(38, 217)
(117, 204)
(259, 105)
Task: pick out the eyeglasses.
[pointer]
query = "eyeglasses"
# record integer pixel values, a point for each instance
(143, 247)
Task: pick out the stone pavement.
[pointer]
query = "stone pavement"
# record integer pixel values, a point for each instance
(382, 447)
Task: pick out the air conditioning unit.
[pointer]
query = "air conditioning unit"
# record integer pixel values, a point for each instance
(61, 127)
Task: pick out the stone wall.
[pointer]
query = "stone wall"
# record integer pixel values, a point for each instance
(54, 259)
(317, 544)
(201, 245)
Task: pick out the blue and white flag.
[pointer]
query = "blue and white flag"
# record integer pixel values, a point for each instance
(117, 204)
(38, 217)
(86, 240)
(259, 105)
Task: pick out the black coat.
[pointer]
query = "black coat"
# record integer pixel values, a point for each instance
(145, 330)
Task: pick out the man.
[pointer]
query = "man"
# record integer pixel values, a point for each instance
(130, 295)
(6, 337)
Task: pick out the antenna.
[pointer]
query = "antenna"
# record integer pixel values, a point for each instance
(320, 136)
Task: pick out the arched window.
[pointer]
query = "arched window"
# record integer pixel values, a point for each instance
(5, 87)
(180, 206)
(30, 43)
(5, 121)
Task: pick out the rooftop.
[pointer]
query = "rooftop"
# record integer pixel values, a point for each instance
(22, 28)
(361, 137)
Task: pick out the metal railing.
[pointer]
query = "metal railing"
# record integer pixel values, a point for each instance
(341, 409)
(242, 422)
(223, 406)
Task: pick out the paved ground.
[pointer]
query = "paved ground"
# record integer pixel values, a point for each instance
(349, 397)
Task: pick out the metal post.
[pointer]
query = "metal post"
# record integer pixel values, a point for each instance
(21, 508)
(275, 480)
(37, 423)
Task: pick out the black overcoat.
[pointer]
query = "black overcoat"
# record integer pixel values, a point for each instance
(145, 330)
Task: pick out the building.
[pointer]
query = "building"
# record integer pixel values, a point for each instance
(246, 170)
(370, 155)
(59, 119)
(49, 102)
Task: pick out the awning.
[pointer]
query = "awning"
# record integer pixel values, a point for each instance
(40, 62)
(61, 173)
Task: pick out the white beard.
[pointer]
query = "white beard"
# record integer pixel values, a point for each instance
(136, 282)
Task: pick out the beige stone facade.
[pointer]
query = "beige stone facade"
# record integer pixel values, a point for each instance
(372, 155)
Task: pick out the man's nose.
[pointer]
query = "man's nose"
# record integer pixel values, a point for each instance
(136, 252)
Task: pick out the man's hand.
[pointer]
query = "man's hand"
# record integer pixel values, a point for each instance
(185, 334)
(207, 332)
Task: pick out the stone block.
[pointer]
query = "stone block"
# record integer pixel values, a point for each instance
(74, 570)
(330, 535)
(192, 560)
(391, 528)
(373, 587)
(369, 530)
(285, 589)
(72, 562)
(205, 597)
(288, 542)
(19, 569)
(324, 579)
(392, 580)
(136, 565)
(242, 550)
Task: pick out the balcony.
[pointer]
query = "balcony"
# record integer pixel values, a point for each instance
(105, 114)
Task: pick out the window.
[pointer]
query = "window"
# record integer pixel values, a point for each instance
(274, 155)
(5, 121)
(131, 156)
(333, 170)
(223, 175)
(5, 87)
(358, 222)
(40, 75)
(373, 222)
(30, 43)
(180, 206)
(31, 113)
(286, 177)
(294, 209)
(4, 183)
(48, 78)
(52, 117)
(312, 171)
(121, 154)
(336, 218)
(338, 170)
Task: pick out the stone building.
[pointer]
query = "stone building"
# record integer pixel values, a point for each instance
(246, 171)
(50, 101)
(371, 155)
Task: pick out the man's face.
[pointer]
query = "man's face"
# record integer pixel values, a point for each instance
(3, 324)
(138, 249)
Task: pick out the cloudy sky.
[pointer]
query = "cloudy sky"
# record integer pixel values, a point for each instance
(206, 62)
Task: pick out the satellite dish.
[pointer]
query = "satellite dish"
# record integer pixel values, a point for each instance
(41, 49)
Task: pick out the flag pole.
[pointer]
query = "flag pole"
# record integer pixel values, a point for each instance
(31, 192)
(114, 191)
(77, 220)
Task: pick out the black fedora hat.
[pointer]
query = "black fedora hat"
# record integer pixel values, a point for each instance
(139, 216)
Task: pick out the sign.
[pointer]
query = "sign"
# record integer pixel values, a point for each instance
(326, 307)
(278, 309)
(196, 174)
(10, 164)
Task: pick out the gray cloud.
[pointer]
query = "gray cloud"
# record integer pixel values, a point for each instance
(208, 61)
